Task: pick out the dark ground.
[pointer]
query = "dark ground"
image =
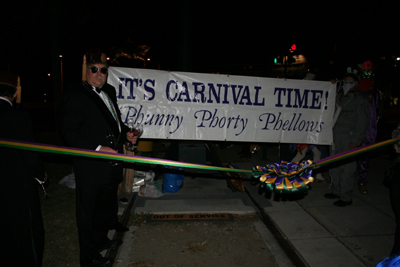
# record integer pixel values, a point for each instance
(235, 243)
(211, 244)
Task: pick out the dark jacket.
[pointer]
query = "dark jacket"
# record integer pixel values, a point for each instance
(18, 167)
(84, 122)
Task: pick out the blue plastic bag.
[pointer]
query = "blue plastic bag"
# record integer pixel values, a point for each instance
(173, 182)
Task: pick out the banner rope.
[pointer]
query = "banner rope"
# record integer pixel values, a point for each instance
(106, 155)
(283, 170)
(354, 152)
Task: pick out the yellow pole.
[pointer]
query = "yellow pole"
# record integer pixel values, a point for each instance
(18, 91)
(84, 68)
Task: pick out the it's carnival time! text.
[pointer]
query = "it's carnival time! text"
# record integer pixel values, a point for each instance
(223, 94)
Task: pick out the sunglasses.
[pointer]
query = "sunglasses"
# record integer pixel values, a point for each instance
(96, 69)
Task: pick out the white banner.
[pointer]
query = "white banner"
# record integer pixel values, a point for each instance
(195, 106)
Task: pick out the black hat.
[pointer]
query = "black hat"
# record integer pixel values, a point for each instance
(95, 56)
(9, 78)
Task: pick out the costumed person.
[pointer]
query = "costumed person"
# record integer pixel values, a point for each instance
(89, 118)
(366, 87)
(351, 121)
(21, 220)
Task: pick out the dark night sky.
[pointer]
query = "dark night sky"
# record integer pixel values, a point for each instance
(249, 32)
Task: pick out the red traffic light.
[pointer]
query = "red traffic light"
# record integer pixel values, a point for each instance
(292, 48)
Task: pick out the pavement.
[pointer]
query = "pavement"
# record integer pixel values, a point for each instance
(310, 231)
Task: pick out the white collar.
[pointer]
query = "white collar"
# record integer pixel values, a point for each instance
(3, 98)
(94, 89)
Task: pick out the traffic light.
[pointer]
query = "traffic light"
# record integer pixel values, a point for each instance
(292, 48)
(278, 60)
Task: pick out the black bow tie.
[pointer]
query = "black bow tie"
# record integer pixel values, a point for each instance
(98, 90)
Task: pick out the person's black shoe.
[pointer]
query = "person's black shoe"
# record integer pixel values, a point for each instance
(119, 227)
(110, 244)
(100, 261)
(341, 203)
(331, 196)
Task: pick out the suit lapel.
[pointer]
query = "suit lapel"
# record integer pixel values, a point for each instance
(103, 108)
(110, 91)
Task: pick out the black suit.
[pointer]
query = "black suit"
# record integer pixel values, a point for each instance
(84, 122)
(21, 220)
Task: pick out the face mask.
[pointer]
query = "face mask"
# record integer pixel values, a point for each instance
(347, 86)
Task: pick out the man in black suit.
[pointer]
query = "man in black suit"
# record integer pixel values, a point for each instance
(88, 117)
(21, 217)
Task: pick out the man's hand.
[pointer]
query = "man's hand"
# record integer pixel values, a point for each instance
(131, 138)
(108, 149)
(351, 146)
